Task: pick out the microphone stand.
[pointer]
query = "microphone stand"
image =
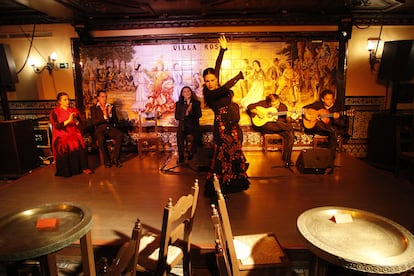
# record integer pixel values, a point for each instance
(169, 157)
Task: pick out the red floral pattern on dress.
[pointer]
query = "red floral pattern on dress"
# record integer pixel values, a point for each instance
(229, 163)
(70, 136)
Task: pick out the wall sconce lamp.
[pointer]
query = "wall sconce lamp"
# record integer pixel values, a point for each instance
(50, 64)
(372, 47)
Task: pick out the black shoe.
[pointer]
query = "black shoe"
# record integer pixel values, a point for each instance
(180, 160)
(108, 165)
(190, 156)
(289, 164)
(328, 170)
(116, 163)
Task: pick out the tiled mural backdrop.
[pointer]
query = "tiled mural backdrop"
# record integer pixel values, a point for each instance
(149, 77)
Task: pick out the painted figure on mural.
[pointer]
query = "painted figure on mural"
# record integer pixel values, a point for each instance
(90, 72)
(178, 81)
(228, 162)
(297, 93)
(125, 81)
(273, 74)
(256, 87)
(160, 99)
(288, 85)
(111, 78)
(315, 86)
(197, 85)
(101, 79)
(142, 82)
(129, 78)
(308, 69)
(316, 68)
(244, 84)
(328, 71)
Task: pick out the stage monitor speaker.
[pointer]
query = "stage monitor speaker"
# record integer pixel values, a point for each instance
(397, 61)
(314, 161)
(8, 74)
(18, 150)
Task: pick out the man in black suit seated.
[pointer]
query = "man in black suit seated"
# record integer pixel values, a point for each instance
(104, 119)
(187, 113)
(270, 116)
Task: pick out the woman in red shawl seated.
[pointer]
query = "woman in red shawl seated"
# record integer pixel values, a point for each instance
(68, 145)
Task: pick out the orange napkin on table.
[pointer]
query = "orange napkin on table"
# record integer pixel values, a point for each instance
(47, 223)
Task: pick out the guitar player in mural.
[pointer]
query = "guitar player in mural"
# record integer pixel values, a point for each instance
(271, 116)
(324, 117)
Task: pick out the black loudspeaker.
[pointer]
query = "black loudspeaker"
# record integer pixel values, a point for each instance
(314, 161)
(397, 61)
(8, 74)
(381, 132)
(18, 150)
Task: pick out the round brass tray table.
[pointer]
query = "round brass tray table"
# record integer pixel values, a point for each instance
(368, 243)
(20, 239)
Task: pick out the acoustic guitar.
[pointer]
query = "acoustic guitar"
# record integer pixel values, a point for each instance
(268, 114)
(323, 115)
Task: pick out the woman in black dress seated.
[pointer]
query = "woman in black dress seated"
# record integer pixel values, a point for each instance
(68, 145)
(228, 162)
(188, 113)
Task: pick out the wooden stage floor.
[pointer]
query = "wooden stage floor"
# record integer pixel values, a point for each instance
(276, 197)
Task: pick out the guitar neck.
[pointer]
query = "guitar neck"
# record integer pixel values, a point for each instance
(277, 113)
(330, 115)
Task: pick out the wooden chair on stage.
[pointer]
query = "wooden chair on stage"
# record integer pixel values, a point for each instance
(273, 142)
(159, 253)
(320, 141)
(254, 254)
(127, 256)
(148, 140)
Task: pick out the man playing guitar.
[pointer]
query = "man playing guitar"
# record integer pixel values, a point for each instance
(270, 116)
(321, 117)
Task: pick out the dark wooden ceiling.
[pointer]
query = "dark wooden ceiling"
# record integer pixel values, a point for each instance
(124, 14)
